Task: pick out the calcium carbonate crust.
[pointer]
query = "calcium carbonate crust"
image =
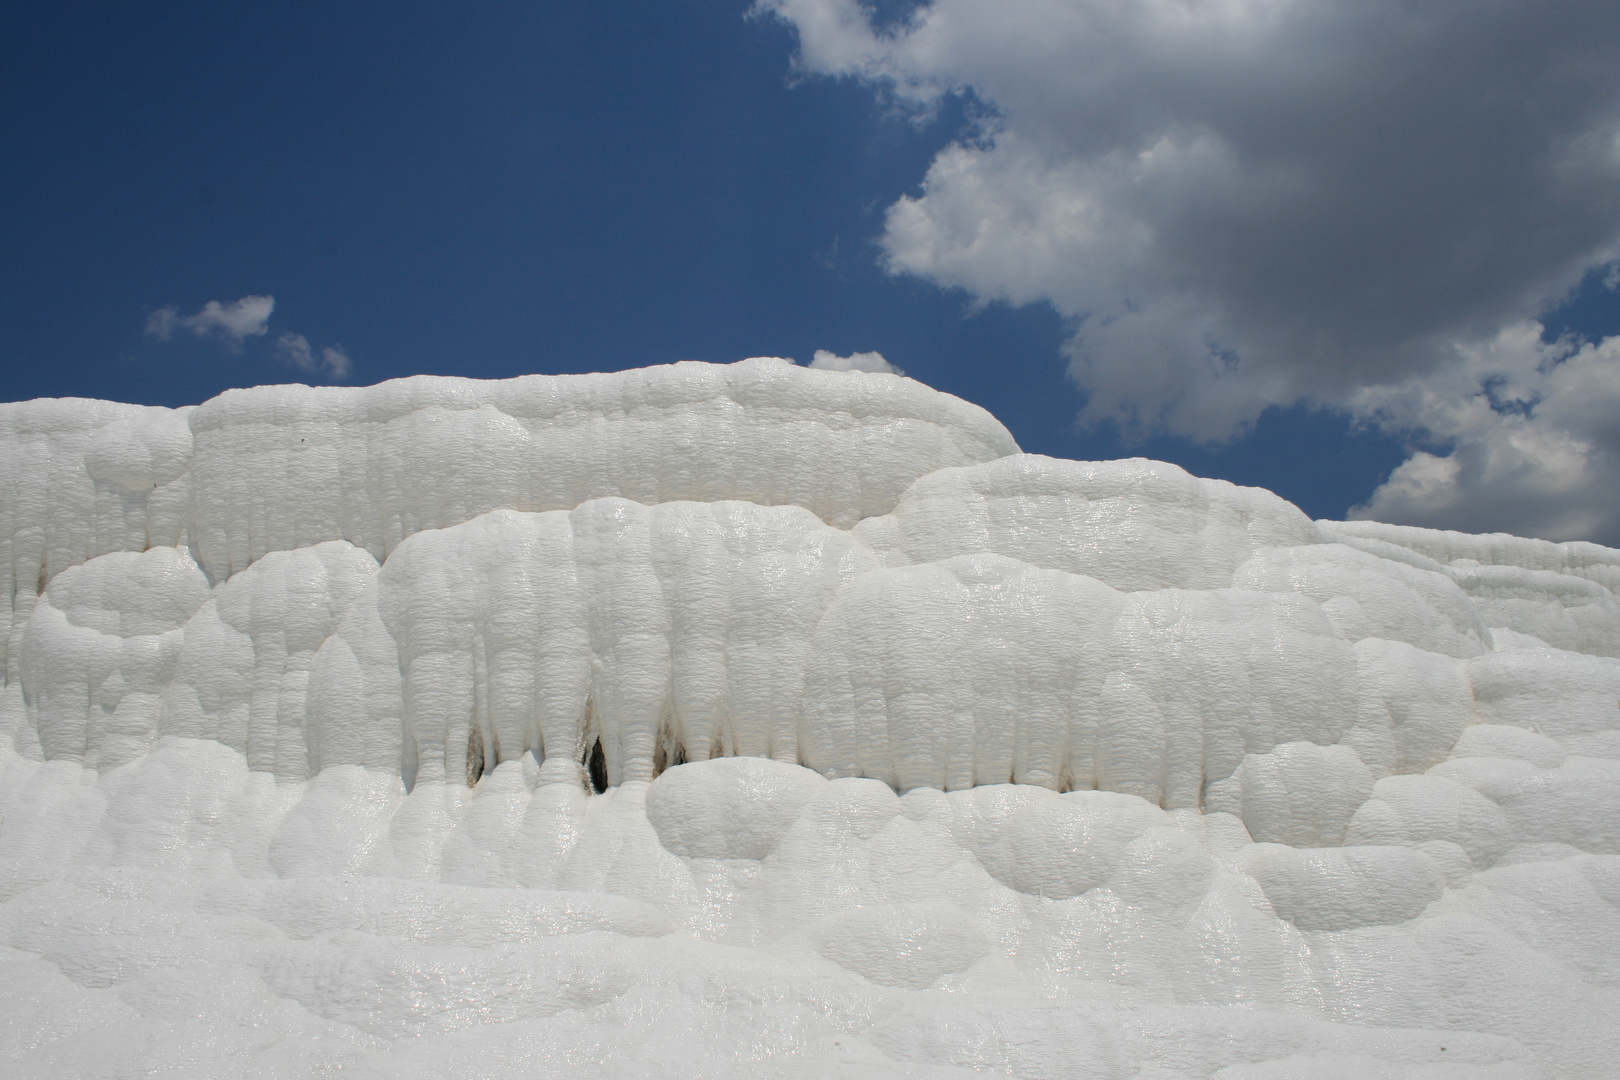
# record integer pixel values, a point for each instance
(752, 720)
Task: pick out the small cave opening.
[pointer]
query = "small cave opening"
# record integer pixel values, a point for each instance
(595, 762)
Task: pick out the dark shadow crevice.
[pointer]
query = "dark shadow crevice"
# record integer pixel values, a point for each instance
(595, 763)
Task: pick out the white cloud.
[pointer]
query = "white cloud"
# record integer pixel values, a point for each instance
(1247, 203)
(331, 361)
(861, 361)
(234, 322)
(1533, 437)
(247, 317)
(231, 323)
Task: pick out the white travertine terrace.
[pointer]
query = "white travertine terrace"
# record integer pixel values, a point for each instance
(751, 720)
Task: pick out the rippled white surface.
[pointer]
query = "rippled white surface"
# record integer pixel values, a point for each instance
(758, 721)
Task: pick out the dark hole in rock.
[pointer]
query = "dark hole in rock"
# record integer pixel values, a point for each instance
(596, 766)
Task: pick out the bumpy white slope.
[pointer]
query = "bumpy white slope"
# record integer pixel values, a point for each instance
(758, 721)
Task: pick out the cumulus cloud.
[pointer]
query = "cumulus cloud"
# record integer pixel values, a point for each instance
(1247, 203)
(1532, 433)
(330, 361)
(230, 323)
(861, 361)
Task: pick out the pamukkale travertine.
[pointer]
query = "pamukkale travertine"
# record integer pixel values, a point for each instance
(752, 720)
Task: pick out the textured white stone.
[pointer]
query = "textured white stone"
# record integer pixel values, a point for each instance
(1135, 524)
(758, 721)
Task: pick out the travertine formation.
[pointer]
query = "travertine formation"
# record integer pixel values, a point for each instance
(759, 721)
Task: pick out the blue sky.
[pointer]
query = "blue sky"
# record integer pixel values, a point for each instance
(495, 189)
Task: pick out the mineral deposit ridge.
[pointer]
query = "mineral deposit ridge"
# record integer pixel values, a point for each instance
(756, 721)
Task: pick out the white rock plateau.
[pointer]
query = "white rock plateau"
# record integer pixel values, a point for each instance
(758, 721)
